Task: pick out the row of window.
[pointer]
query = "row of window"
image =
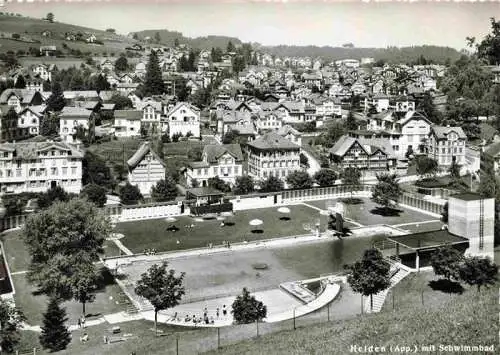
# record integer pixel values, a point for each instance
(43, 183)
(53, 171)
(218, 171)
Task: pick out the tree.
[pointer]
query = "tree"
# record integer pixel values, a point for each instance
(428, 108)
(95, 194)
(479, 272)
(110, 30)
(121, 102)
(350, 122)
(49, 125)
(370, 275)
(446, 262)
(454, 171)
(55, 335)
(157, 37)
(130, 194)
(50, 17)
(271, 184)
(219, 184)
(84, 283)
(325, 177)
(95, 171)
(11, 322)
(246, 309)
(351, 176)
(304, 161)
(243, 185)
(61, 241)
(153, 81)
(426, 166)
(444, 213)
(121, 64)
(56, 101)
(52, 195)
(299, 180)
(386, 191)
(20, 82)
(161, 287)
(489, 48)
(164, 190)
(230, 47)
(194, 154)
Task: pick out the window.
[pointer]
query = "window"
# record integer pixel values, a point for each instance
(236, 170)
(215, 170)
(53, 171)
(65, 171)
(73, 170)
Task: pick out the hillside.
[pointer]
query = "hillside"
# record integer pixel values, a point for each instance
(168, 38)
(30, 31)
(390, 54)
(467, 319)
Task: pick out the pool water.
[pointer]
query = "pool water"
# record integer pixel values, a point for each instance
(313, 260)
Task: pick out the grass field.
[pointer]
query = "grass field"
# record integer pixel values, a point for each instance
(140, 235)
(33, 304)
(367, 213)
(468, 319)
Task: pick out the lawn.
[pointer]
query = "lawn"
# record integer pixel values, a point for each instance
(468, 319)
(140, 235)
(33, 304)
(367, 213)
(16, 253)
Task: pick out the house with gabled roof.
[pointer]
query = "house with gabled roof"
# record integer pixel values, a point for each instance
(127, 123)
(291, 134)
(373, 155)
(184, 119)
(145, 168)
(30, 118)
(224, 161)
(72, 118)
(447, 145)
(19, 98)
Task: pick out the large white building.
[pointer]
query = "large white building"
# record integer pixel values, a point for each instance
(127, 123)
(224, 161)
(145, 169)
(39, 166)
(271, 154)
(183, 119)
(447, 144)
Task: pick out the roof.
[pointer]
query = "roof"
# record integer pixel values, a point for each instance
(205, 191)
(24, 95)
(273, 141)
(29, 150)
(442, 132)
(428, 240)
(139, 155)
(214, 151)
(71, 94)
(468, 196)
(287, 129)
(370, 146)
(76, 112)
(128, 115)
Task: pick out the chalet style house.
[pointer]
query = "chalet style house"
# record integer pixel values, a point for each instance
(145, 169)
(376, 155)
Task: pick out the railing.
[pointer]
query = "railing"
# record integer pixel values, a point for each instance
(218, 208)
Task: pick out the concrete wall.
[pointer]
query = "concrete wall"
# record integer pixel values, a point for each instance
(464, 221)
(150, 212)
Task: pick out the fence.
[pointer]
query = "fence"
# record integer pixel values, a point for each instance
(261, 200)
(217, 208)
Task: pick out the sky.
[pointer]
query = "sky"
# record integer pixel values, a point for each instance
(269, 22)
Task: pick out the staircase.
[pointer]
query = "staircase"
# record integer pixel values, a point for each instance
(397, 272)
